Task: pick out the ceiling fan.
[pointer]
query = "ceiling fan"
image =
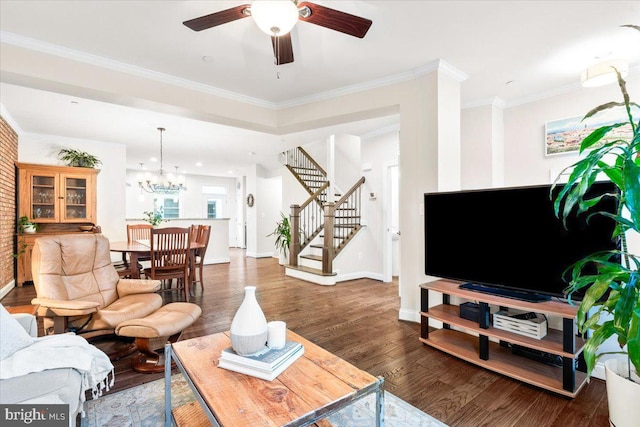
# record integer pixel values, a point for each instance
(278, 17)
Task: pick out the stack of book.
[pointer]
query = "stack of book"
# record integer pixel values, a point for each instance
(266, 364)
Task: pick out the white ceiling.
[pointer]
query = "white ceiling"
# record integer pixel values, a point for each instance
(540, 47)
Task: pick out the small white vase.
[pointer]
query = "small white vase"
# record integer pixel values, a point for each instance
(249, 325)
(623, 395)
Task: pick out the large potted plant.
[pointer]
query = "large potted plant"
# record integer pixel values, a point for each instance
(282, 232)
(611, 303)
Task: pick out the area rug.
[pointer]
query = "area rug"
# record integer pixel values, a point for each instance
(143, 406)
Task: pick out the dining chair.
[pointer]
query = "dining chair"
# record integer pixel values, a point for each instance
(200, 234)
(170, 250)
(134, 232)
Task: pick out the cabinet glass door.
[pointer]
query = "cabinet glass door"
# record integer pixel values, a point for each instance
(43, 198)
(75, 198)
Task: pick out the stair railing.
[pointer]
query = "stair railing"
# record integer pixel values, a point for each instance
(306, 170)
(306, 223)
(341, 223)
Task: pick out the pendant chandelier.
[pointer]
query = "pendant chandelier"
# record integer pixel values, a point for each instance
(161, 183)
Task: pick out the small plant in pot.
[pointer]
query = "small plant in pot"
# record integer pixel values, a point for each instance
(78, 158)
(23, 225)
(611, 303)
(282, 232)
(153, 218)
(26, 226)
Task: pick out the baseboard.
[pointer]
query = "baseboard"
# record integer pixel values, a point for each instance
(217, 261)
(7, 288)
(598, 371)
(310, 277)
(259, 255)
(359, 275)
(409, 315)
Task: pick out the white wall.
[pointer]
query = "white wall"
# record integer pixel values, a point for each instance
(348, 162)
(270, 193)
(525, 161)
(482, 140)
(262, 217)
(363, 256)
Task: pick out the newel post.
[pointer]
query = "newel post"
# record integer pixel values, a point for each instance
(294, 246)
(328, 250)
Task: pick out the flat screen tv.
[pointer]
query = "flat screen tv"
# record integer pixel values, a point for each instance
(509, 239)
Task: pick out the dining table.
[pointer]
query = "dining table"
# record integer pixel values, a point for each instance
(142, 248)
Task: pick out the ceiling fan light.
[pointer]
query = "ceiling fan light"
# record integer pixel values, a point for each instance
(274, 17)
(603, 73)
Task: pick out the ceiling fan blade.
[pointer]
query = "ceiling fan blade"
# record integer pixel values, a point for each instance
(282, 49)
(334, 19)
(218, 18)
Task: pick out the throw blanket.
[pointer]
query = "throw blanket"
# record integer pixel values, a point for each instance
(63, 351)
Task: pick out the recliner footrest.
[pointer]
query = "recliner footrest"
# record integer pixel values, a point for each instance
(168, 321)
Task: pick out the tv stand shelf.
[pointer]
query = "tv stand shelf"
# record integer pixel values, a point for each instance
(565, 380)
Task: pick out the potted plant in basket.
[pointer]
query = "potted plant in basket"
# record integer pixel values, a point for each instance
(283, 237)
(611, 304)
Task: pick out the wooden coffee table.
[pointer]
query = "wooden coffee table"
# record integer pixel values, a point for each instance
(313, 387)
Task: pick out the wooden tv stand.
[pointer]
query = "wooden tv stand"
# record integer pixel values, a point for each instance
(565, 380)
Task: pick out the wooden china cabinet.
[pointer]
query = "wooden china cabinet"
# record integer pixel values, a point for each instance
(58, 199)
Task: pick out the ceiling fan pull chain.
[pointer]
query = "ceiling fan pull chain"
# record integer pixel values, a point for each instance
(277, 58)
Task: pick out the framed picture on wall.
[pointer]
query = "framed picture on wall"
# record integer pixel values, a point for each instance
(565, 136)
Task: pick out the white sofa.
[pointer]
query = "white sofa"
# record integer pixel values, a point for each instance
(40, 385)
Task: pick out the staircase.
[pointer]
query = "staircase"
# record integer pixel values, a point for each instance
(324, 227)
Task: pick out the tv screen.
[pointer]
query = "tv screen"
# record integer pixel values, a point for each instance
(510, 237)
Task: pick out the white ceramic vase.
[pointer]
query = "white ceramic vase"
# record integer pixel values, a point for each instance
(249, 325)
(623, 395)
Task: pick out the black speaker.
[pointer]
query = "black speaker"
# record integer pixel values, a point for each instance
(470, 311)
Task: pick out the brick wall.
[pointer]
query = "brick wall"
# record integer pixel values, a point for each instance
(8, 155)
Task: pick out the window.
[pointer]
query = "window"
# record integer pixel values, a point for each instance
(167, 206)
(212, 208)
(214, 201)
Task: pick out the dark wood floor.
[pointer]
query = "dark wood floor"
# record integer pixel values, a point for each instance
(358, 321)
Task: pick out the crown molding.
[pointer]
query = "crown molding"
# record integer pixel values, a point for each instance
(11, 121)
(99, 61)
(558, 91)
(102, 62)
(444, 67)
(437, 65)
(493, 102)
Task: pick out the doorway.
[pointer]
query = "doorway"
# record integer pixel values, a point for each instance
(391, 255)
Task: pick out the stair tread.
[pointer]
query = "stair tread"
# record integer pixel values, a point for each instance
(312, 257)
(309, 270)
(318, 173)
(316, 246)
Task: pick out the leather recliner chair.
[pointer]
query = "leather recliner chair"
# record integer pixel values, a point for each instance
(79, 290)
